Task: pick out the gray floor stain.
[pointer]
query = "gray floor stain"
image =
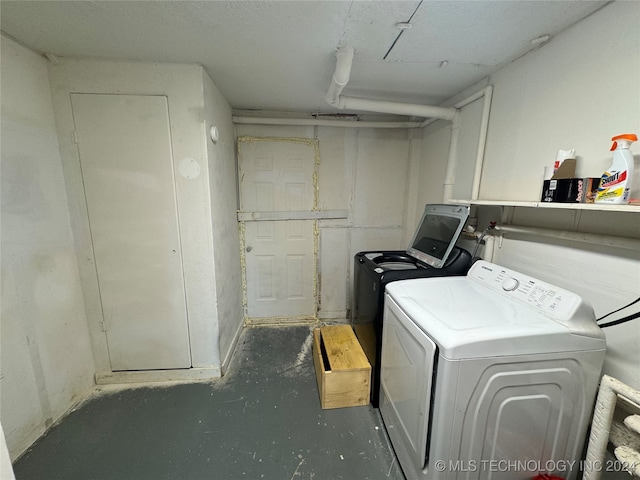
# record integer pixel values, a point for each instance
(261, 421)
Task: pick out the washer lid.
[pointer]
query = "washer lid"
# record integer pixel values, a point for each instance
(437, 233)
(501, 313)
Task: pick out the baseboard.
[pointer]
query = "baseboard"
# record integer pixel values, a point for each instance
(338, 315)
(272, 321)
(232, 348)
(152, 376)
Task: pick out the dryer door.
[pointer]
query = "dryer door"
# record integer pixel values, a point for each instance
(408, 357)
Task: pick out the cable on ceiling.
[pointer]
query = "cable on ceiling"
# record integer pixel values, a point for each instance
(401, 32)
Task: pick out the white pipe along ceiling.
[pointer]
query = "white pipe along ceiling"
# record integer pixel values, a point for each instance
(339, 80)
(324, 122)
(344, 60)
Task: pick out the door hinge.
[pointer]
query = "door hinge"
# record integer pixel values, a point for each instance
(75, 137)
(103, 326)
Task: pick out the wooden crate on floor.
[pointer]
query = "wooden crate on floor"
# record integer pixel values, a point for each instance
(343, 372)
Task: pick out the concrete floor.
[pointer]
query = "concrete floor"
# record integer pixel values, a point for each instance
(261, 421)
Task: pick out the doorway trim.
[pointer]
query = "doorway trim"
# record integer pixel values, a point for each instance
(314, 214)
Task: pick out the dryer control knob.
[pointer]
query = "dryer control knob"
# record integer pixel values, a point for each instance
(510, 284)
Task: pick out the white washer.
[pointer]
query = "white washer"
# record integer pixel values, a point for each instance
(488, 376)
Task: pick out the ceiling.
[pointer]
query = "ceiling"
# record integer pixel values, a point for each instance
(280, 55)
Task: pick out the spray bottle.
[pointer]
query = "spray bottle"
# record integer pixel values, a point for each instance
(615, 184)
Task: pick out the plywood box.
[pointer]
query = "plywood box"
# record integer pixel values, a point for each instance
(342, 369)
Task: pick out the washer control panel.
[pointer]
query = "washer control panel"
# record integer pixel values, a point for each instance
(549, 299)
(510, 284)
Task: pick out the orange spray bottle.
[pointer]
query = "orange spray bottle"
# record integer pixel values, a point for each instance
(615, 184)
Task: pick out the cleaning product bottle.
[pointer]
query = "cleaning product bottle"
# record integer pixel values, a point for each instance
(615, 184)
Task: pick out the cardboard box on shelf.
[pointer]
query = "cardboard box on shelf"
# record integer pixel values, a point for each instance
(590, 187)
(567, 169)
(570, 190)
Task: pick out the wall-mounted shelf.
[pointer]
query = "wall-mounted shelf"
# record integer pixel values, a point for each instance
(562, 206)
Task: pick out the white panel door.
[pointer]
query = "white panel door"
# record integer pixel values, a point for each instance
(279, 255)
(124, 143)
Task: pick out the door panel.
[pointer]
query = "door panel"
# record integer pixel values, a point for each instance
(280, 269)
(124, 145)
(277, 176)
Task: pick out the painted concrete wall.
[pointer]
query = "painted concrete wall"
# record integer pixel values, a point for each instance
(47, 333)
(183, 86)
(46, 360)
(361, 171)
(434, 154)
(380, 163)
(595, 99)
(577, 91)
(223, 197)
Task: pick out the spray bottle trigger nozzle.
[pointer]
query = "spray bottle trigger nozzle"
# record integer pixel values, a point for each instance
(614, 146)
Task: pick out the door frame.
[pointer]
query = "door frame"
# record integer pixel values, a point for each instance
(312, 214)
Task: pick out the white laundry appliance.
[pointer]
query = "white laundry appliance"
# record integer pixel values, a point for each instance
(488, 376)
